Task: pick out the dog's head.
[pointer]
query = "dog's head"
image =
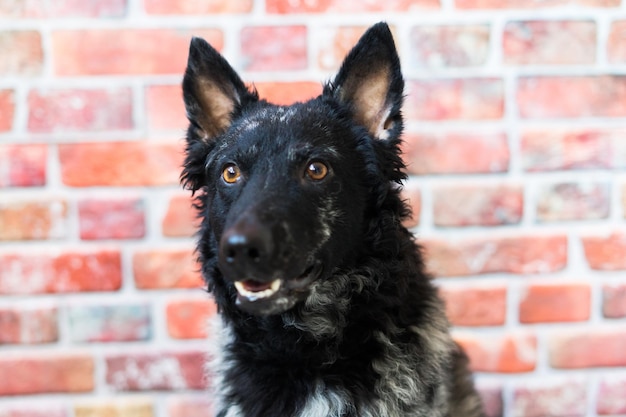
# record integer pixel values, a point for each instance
(288, 192)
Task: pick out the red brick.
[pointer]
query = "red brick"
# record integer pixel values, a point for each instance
(40, 272)
(588, 348)
(555, 303)
(111, 218)
(125, 51)
(473, 306)
(514, 254)
(473, 205)
(285, 93)
(509, 353)
(80, 110)
(23, 165)
(271, 48)
(46, 373)
(347, 6)
(190, 407)
(552, 149)
(614, 301)
(28, 325)
(109, 323)
(412, 195)
(611, 398)
(7, 110)
(449, 99)
(333, 44)
(181, 218)
(62, 8)
(156, 371)
(572, 97)
(616, 44)
(121, 163)
(22, 53)
(170, 7)
(30, 220)
(455, 153)
(164, 108)
(135, 407)
(607, 252)
(160, 269)
(51, 409)
(541, 42)
(188, 319)
(573, 201)
(525, 4)
(541, 398)
(491, 397)
(449, 46)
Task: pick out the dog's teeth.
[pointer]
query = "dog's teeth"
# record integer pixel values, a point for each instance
(258, 295)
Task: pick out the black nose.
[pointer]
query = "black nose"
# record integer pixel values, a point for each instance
(246, 250)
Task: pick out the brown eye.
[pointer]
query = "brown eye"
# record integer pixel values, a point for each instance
(316, 171)
(231, 173)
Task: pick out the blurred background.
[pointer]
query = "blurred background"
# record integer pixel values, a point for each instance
(515, 143)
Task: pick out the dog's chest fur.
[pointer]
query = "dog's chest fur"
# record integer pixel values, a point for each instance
(402, 386)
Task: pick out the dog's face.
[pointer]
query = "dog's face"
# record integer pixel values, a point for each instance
(286, 190)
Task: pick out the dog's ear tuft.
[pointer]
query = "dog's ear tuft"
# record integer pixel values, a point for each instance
(370, 82)
(212, 90)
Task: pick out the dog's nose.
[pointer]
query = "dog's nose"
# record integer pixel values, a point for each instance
(246, 250)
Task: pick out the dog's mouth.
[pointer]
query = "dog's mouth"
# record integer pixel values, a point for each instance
(277, 296)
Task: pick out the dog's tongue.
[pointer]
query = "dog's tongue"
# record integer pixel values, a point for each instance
(256, 286)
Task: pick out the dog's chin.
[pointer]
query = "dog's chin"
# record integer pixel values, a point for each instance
(275, 297)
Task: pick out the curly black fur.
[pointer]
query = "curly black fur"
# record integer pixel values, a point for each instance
(356, 328)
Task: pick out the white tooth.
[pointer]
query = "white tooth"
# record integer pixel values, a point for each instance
(258, 295)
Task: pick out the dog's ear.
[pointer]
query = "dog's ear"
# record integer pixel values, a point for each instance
(212, 90)
(370, 82)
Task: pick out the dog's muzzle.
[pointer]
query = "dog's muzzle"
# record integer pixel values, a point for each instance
(265, 267)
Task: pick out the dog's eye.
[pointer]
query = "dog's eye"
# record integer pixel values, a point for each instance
(231, 173)
(316, 171)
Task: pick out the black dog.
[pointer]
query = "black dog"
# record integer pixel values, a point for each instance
(326, 309)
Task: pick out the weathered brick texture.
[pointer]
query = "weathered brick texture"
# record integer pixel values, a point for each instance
(555, 303)
(111, 219)
(188, 319)
(515, 150)
(477, 205)
(155, 371)
(69, 110)
(549, 42)
(22, 53)
(550, 398)
(456, 153)
(475, 306)
(7, 109)
(516, 255)
(132, 51)
(506, 353)
(455, 99)
(23, 165)
(51, 373)
(37, 272)
(124, 408)
(161, 268)
(29, 325)
(120, 164)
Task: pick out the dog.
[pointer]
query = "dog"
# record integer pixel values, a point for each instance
(325, 307)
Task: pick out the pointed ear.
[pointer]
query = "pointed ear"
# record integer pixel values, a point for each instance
(370, 82)
(212, 90)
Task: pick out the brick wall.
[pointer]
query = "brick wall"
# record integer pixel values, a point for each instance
(516, 146)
